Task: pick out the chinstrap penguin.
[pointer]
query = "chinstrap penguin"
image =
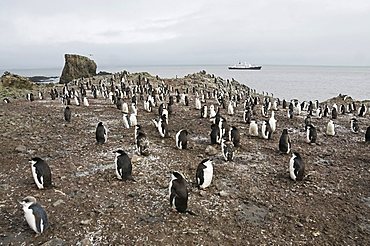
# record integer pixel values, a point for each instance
(204, 173)
(35, 214)
(41, 173)
(296, 167)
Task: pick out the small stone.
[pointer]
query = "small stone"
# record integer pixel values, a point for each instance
(223, 193)
(202, 193)
(210, 150)
(57, 203)
(86, 242)
(54, 242)
(299, 224)
(85, 222)
(136, 158)
(21, 149)
(316, 234)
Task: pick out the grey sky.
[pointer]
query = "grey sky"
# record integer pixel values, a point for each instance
(37, 33)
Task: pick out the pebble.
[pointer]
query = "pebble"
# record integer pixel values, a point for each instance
(85, 222)
(136, 158)
(210, 150)
(21, 149)
(223, 193)
(54, 242)
(86, 242)
(57, 203)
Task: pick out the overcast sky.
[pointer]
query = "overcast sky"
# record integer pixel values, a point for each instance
(37, 33)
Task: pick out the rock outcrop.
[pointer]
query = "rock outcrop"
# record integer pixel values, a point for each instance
(77, 66)
(9, 80)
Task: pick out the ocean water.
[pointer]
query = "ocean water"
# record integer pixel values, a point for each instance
(301, 82)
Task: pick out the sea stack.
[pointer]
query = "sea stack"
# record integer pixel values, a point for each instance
(77, 66)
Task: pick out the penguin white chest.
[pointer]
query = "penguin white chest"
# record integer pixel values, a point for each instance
(34, 174)
(208, 174)
(30, 218)
(116, 167)
(291, 169)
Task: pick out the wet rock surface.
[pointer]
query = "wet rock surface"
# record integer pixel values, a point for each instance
(251, 200)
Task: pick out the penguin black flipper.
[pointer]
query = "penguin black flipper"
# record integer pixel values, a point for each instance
(43, 172)
(298, 169)
(46, 176)
(200, 175)
(40, 217)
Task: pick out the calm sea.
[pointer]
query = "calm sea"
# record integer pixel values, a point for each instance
(302, 82)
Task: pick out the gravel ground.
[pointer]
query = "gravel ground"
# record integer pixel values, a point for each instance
(251, 201)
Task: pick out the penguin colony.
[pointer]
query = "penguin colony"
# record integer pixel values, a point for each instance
(164, 97)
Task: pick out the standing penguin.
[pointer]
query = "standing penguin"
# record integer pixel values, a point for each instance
(227, 149)
(125, 119)
(253, 128)
(101, 133)
(296, 167)
(230, 108)
(203, 112)
(307, 121)
(334, 113)
(178, 193)
(67, 114)
(234, 136)
(123, 165)
(212, 112)
(311, 134)
(198, 104)
(124, 107)
(215, 134)
(354, 125)
(35, 214)
(284, 142)
(86, 102)
(142, 143)
(290, 111)
(367, 134)
(247, 116)
(272, 122)
(266, 130)
(182, 139)
(162, 126)
(204, 173)
(362, 110)
(330, 129)
(41, 173)
(133, 119)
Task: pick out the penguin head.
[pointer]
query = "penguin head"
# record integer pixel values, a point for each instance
(285, 131)
(119, 152)
(207, 162)
(177, 175)
(100, 123)
(27, 201)
(34, 160)
(296, 155)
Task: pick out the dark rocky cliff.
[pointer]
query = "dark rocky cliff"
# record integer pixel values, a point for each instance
(77, 66)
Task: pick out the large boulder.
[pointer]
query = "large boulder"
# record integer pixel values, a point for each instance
(77, 66)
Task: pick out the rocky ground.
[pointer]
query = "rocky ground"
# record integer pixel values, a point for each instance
(251, 200)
